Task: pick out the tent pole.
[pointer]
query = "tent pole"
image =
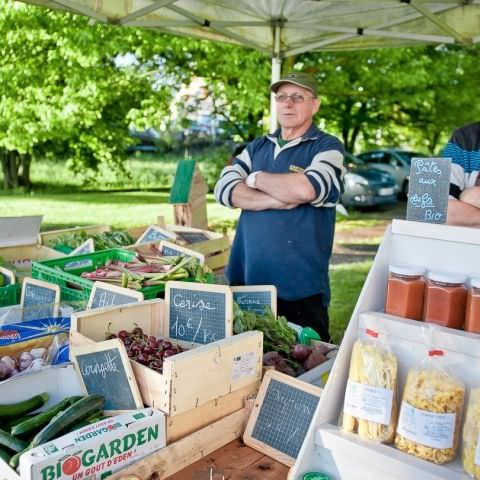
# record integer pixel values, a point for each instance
(276, 69)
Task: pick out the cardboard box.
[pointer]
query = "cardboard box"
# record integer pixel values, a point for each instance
(343, 455)
(59, 382)
(18, 244)
(97, 450)
(189, 379)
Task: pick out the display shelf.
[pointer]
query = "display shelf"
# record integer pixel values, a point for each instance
(344, 456)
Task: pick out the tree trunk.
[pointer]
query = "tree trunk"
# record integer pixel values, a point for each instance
(24, 176)
(15, 169)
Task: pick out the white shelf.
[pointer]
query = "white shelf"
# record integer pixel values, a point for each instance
(345, 457)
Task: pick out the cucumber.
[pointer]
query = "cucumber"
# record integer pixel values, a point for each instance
(63, 420)
(11, 442)
(41, 419)
(14, 461)
(16, 410)
(4, 455)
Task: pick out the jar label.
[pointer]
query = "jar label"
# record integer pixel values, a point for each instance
(434, 430)
(368, 403)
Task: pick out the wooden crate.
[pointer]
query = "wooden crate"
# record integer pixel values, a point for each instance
(190, 379)
(21, 257)
(45, 237)
(216, 249)
(186, 451)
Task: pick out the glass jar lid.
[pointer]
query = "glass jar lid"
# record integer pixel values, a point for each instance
(407, 270)
(475, 282)
(447, 277)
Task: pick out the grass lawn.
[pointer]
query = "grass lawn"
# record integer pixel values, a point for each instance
(346, 281)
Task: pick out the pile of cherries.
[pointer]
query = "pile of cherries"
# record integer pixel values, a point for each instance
(146, 349)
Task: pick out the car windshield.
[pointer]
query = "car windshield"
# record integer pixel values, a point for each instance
(352, 159)
(407, 156)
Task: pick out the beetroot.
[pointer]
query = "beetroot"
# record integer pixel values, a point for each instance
(301, 352)
(314, 359)
(322, 348)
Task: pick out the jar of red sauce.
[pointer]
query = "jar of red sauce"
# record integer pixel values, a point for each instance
(405, 291)
(472, 314)
(445, 299)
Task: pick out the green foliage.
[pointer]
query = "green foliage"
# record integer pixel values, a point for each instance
(403, 96)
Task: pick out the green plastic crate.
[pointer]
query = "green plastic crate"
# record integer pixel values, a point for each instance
(10, 295)
(66, 271)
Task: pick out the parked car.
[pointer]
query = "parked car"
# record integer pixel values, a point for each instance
(394, 161)
(366, 186)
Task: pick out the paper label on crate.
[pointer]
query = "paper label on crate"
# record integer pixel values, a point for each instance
(435, 430)
(244, 365)
(78, 264)
(368, 403)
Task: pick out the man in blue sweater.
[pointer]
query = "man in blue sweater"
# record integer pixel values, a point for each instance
(287, 185)
(464, 150)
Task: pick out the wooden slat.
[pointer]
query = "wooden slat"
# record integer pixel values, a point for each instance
(218, 261)
(234, 461)
(212, 246)
(186, 451)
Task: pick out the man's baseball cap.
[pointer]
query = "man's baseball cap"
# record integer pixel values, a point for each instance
(301, 79)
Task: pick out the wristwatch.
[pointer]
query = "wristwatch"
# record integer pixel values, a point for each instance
(251, 179)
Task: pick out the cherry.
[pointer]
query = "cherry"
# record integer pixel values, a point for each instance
(123, 334)
(143, 358)
(137, 331)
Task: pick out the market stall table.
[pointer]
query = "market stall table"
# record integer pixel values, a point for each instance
(234, 461)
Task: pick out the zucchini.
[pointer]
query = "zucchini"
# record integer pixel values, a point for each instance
(63, 420)
(11, 442)
(41, 419)
(14, 461)
(16, 410)
(8, 424)
(4, 455)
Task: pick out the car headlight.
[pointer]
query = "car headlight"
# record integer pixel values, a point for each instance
(352, 179)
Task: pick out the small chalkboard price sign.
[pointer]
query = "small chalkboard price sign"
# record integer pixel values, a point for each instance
(7, 277)
(428, 190)
(170, 249)
(281, 416)
(106, 295)
(39, 299)
(105, 369)
(155, 233)
(198, 313)
(86, 247)
(254, 298)
(193, 237)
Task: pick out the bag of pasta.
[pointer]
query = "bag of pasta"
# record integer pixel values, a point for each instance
(431, 411)
(471, 432)
(370, 407)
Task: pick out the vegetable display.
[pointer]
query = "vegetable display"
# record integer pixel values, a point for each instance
(102, 241)
(146, 349)
(144, 271)
(21, 429)
(279, 342)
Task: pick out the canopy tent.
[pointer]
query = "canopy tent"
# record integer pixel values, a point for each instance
(281, 28)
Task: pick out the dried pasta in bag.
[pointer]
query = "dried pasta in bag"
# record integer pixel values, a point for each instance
(471, 431)
(370, 407)
(430, 414)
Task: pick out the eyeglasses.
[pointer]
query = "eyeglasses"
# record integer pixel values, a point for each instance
(295, 98)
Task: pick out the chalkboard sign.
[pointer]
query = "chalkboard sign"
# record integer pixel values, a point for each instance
(154, 233)
(106, 295)
(7, 277)
(86, 247)
(173, 250)
(283, 411)
(254, 298)
(105, 369)
(198, 313)
(428, 190)
(39, 299)
(193, 237)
